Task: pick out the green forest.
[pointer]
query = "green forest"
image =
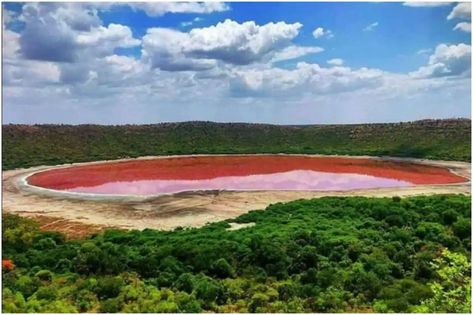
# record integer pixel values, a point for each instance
(32, 145)
(332, 254)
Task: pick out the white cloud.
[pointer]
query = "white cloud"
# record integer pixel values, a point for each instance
(77, 32)
(228, 41)
(165, 49)
(371, 27)
(419, 4)
(24, 72)
(8, 16)
(20, 72)
(30, 73)
(335, 62)
(122, 63)
(463, 26)
(115, 34)
(161, 8)
(447, 61)
(42, 20)
(77, 16)
(10, 44)
(230, 74)
(321, 32)
(304, 79)
(240, 43)
(191, 22)
(461, 11)
(293, 52)
(74, 55)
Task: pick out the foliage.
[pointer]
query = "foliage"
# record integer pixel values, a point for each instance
(331, 254)
(25, 145)
(452, 289)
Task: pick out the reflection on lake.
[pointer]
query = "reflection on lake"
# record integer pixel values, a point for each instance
(292, 180)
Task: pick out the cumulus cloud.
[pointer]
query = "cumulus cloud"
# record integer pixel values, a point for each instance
(36, 41)
(32, 73)
(228, 41)
(122, 64)
(74, 55)
(118, 35)
(293, 52)
(426, 4)
(321, 32)
(75, 27)
(10, 44)
(463, 26)
(335, 62)
(77, 16)
(24, 72)
(240, 43)
(161, 8)
(371, 27)
(8, 16)
(305, 78)
(72, 73)
(447, 61)
(461, 11)
(79, 76)
(165, 49)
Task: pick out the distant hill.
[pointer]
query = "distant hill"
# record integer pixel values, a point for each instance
(29, 145)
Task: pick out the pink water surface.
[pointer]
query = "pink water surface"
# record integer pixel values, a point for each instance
(292, 180)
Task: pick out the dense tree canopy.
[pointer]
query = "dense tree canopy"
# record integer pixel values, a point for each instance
(25, 145)
(321, 255)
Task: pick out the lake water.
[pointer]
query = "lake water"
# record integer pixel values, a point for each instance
(258, 172)
(292, 180)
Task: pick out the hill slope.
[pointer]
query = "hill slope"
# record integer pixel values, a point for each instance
(29, 145)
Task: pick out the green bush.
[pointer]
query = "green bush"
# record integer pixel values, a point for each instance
(331, 254)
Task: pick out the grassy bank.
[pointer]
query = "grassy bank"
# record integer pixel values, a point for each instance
(25, 145)
(322, 255)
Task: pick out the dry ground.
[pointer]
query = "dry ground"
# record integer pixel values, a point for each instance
(77, 217)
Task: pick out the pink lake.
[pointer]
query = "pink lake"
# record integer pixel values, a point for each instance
(291, 180)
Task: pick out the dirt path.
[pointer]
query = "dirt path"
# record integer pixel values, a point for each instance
(73, 216)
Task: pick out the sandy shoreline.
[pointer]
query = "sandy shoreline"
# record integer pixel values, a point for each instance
(58, 211)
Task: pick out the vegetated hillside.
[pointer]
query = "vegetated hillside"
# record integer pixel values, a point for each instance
(322, 255)
(29, 145)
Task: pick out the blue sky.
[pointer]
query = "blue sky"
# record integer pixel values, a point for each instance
(236, 61)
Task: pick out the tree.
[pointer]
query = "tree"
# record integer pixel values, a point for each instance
(18, 232)
(44, 275)
(449, 216)
(452, 290)
(207, 290)
(462, 228)
(111, 305)
(185, 282)
(85, 300)
(329, 255)
(109, 287)
(401, 296)
(257, 302)
(222, 269)
(89, 259)
(27, 285)
(13, 302)
(187, 303)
